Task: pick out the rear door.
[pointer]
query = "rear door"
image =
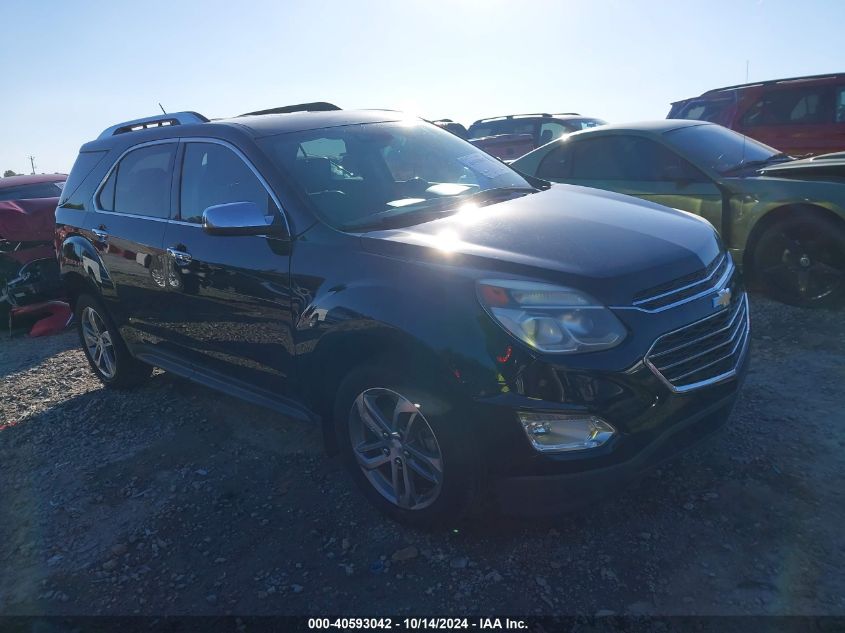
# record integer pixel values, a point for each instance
(131, 210)
(797, 120)
(229, 305)
(635, 166)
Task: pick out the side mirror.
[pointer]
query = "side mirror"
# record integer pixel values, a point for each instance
(241, 218)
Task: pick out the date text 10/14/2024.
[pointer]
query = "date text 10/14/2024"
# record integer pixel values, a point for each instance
(417, 623)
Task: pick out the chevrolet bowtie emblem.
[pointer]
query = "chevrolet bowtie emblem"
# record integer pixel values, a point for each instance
(722, 298)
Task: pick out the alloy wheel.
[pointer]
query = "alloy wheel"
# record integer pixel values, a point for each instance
(396, 448)
(98, 342)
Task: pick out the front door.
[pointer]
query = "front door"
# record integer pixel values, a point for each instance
(229, 305)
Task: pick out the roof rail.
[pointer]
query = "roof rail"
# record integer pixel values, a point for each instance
(513, 116)
(161, 120)
(769, 82)
(314, 106)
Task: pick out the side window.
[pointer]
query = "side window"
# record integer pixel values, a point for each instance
(794, 106)
(550, 130)
(213, 174)
(140, 183)
(840, 105)
(605, 158)
(629, 158)
(556, 164)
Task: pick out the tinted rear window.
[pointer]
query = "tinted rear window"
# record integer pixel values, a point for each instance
(702, 111)
(36, 190)
(794, 106)
(82, 166)
(505, 126)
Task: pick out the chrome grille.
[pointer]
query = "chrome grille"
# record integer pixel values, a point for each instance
(686, 288)
(703, 352)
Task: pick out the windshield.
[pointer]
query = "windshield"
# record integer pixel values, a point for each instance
(718, 148)
(361, 175)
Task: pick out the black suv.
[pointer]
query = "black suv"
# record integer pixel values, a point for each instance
(460, 332)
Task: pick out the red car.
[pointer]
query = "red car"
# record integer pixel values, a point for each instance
(27, 225)
(799, 116)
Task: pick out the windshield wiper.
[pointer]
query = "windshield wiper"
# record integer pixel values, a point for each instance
(498, 192)
(779, 157)
(392, 218)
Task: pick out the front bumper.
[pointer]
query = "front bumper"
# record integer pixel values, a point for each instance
(653, 421)
(557, 494)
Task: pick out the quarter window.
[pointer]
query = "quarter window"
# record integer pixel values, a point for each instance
(840, 105)
(213, 174)
(140, 184)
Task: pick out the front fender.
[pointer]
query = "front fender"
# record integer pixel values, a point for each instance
(756, 198)
(439, 334)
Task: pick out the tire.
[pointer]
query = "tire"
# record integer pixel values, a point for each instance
(104, 348)
(418, 437)
(800, 260)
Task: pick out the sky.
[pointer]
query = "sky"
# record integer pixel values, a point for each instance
(72, 68)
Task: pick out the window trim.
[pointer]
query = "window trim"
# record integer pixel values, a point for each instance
(216, 141)
(180, 141)
(94, 199)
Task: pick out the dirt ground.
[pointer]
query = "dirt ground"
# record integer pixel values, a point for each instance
(173, 499)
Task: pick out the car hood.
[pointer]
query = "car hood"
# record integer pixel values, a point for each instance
(28, 220)
(824, 167)
(608, 245)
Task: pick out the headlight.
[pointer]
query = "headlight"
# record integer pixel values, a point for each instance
(551, 318)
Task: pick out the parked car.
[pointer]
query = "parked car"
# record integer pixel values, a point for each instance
(799, 116)
(452, 126)
(27, 225)
(459, 331)
(783, 221)
(509, 137)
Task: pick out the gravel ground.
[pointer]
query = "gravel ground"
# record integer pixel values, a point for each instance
(173, 499)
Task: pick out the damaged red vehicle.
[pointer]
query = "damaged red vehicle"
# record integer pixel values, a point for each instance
(28, 268)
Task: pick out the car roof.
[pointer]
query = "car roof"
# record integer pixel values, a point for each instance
(186, 124)
(565, 116)
(270, 124)
(14, 181)
(787, 81)
(660, 126)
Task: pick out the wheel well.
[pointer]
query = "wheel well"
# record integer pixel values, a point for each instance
(76, 285)
(773, 217)
(341, 356)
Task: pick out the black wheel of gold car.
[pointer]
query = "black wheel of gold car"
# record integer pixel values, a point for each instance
(800, 260)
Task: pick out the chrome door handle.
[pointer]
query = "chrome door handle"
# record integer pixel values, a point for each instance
(181, 257)
(101, 236)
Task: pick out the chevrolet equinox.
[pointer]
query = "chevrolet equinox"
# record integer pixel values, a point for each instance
(461, 333)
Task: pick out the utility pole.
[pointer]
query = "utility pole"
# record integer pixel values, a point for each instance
(32, 162)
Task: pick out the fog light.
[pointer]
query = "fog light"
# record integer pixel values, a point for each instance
(554, 432)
